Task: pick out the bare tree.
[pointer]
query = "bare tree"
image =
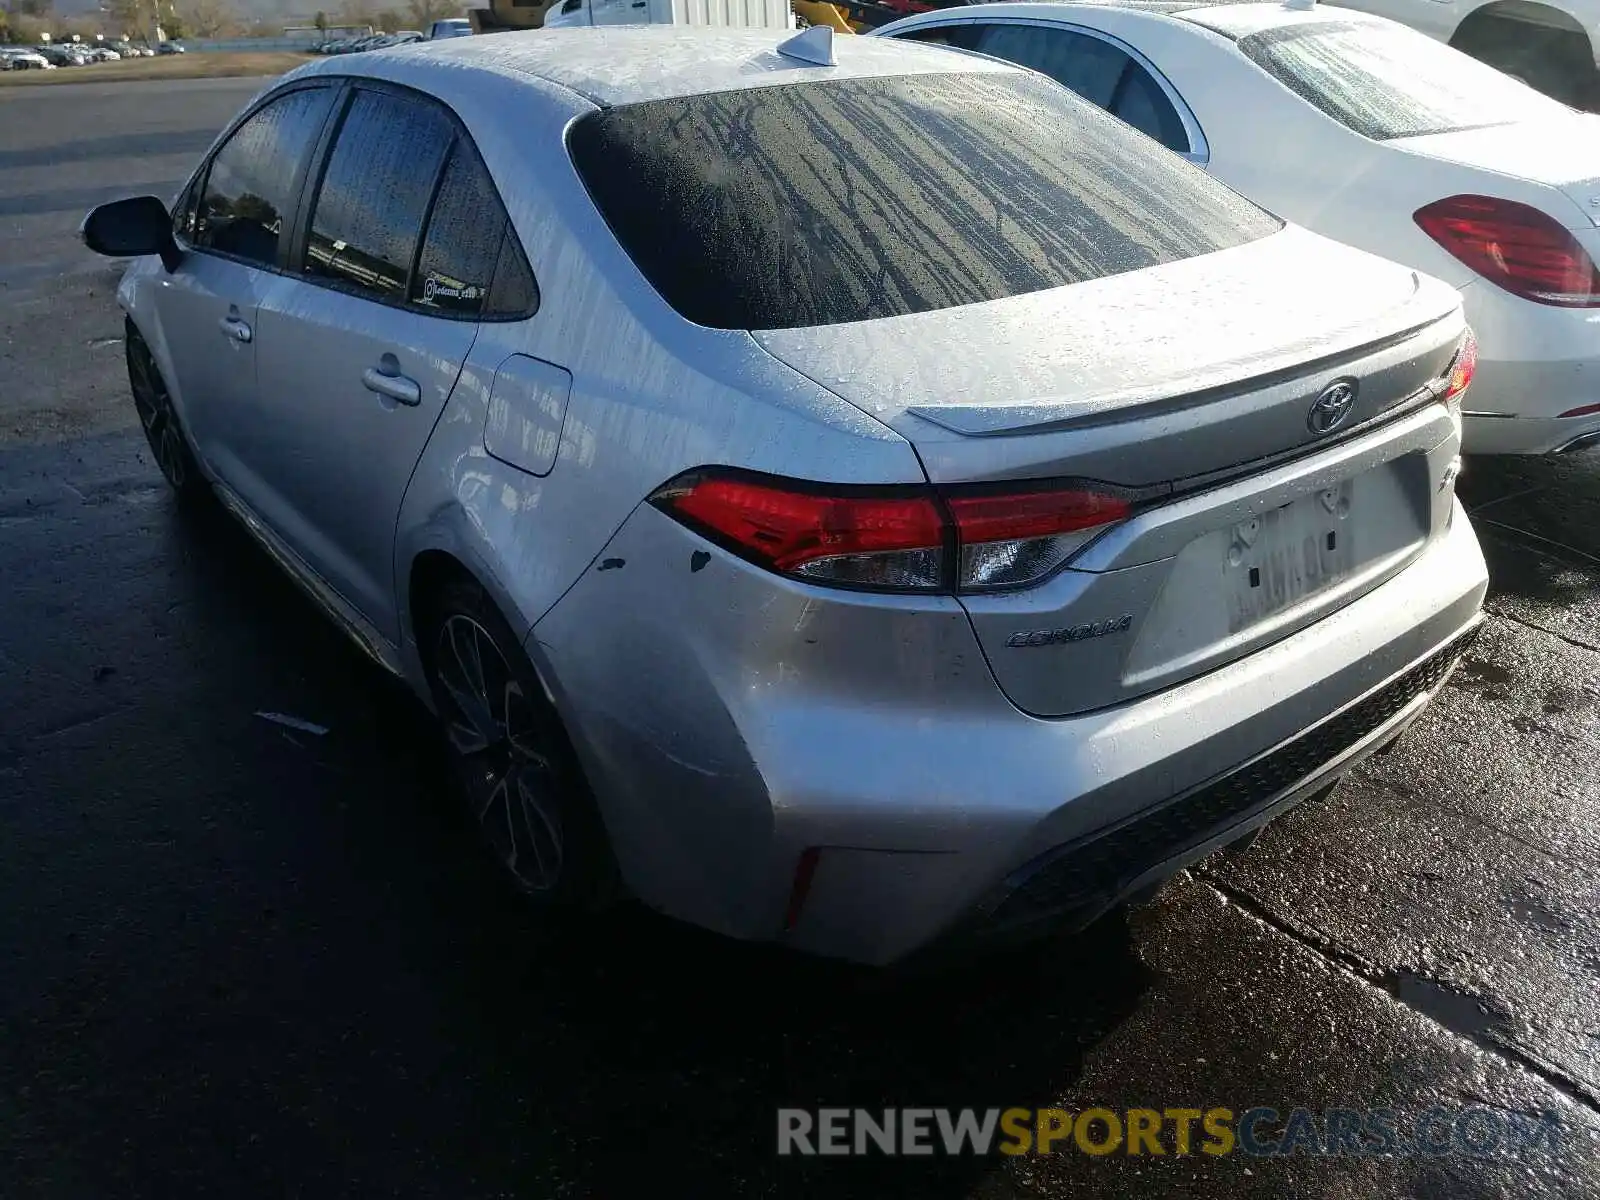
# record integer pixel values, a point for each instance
(425, 12)
(129, 18)
(207, 18)
(26, 30)
(358, 13)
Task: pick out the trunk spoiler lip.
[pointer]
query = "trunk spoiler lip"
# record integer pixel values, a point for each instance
(1039, 416)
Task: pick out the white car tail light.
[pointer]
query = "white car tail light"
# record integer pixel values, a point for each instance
(1515, 247)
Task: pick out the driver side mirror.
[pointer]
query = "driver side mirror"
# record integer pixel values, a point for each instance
(130, 228)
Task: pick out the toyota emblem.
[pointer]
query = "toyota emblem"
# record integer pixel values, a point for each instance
(1330, 409)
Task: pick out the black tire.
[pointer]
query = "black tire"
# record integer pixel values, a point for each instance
(513, 764)
(169, 444)
(1558, 63)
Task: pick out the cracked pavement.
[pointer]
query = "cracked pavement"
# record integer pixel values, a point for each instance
(241, 958)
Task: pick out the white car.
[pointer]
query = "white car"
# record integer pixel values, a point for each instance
(1375, 135)
(25, 60)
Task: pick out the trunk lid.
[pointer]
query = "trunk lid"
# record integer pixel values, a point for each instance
(1146, 377)
(1566, 160)
(1193, 381)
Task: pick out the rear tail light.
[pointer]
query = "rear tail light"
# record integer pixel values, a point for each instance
(855, 536)
(1516, 247)
(1010, 538)
(1461, 369)
(896, 538)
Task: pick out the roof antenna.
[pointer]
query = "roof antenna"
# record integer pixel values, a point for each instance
(814, 45)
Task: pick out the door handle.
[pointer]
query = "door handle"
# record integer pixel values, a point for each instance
(396, 387)
(236, 329)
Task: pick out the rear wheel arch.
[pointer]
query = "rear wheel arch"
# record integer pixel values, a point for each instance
(1522, 11)
(1543, 45)
(432, 572)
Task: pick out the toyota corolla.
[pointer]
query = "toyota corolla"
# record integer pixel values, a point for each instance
(851, 495)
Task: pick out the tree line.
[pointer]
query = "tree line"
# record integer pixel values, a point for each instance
(26, 20)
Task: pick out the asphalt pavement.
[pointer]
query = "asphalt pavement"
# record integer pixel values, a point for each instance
(240, 958)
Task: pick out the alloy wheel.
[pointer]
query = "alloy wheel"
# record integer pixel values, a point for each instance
(154, 404)
(501, 751)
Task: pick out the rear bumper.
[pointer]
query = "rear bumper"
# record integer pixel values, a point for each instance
(1071, 885)
(1486, 433)
(721, 750)
(1537, 362)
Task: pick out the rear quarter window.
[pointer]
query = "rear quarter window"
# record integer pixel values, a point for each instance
(1385, 81)
(852, 200)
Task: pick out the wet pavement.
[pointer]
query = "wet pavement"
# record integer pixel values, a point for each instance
(242, 958)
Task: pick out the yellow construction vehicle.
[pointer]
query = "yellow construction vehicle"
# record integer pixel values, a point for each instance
(815, 12)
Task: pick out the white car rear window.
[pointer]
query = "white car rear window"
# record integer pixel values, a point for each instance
(1385, 81)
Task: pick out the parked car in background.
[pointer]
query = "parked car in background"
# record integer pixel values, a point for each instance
(1549, 44)
(1373, 134)
(170, 47)
(63, 56)
(453, 27)
(866, 552)
(17, 59)
(102, 54)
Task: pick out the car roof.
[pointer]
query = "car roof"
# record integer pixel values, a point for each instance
(630, 65)
(1234, 18)
(1240, 20)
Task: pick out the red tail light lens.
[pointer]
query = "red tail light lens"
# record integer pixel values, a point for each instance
(1462, 368)
(1011, 538)
(1516, 247)
(868, 538)
(894, 539)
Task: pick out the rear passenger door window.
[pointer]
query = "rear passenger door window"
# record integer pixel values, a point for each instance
(366, 221)
(1098, 71)
(470, 264)
(250, 187)
(407, 214)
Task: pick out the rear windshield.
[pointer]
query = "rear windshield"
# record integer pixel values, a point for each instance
(820, 203)
(1385, 81)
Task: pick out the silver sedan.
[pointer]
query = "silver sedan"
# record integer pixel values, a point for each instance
(851, 495)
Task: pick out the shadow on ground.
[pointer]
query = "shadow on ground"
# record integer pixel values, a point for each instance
(241, 951)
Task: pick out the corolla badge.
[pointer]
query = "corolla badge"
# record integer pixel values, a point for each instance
(1330, 409)
(1072, 633)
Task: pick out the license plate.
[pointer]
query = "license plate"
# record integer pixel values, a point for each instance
(1283, 556)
